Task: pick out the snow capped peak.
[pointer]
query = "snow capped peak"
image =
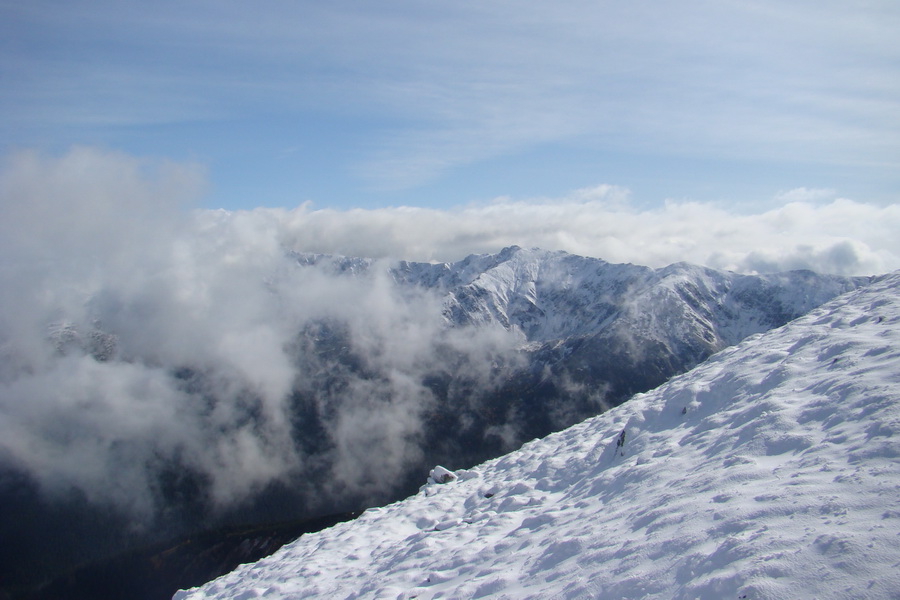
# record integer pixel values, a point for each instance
(769, 471)
(554, 295)
(509, 251)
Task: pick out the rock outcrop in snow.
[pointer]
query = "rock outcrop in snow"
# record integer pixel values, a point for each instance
(440, 474)
(770, 471)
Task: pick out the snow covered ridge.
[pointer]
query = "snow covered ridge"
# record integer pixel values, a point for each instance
(770, 471)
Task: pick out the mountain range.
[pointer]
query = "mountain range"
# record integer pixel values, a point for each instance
(591, 333)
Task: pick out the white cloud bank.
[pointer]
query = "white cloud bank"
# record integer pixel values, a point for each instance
(829, 235)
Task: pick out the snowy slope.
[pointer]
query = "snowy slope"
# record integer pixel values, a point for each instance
(770, 471)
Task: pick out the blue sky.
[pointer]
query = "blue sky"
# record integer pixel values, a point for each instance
(411, 102)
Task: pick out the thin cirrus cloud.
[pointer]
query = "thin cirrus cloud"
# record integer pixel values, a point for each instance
(430, 90)
(748, 80)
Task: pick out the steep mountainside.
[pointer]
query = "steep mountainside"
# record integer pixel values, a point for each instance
(770, 471)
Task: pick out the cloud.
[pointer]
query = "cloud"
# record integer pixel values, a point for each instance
(454, 84)
(736, 80)
(141, 343)
(89, 200)
(802, 194)
(840, 235)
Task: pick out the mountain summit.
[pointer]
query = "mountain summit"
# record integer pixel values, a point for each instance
(770, 471)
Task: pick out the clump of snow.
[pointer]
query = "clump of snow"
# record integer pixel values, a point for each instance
(770, 471)
(440, 474)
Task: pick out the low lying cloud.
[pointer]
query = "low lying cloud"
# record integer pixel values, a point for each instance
(138, 338)
(141, 346)
(819, 232)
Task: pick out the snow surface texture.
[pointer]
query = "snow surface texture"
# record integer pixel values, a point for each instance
(772, 470)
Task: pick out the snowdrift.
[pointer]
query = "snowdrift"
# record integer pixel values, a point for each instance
(772, 471)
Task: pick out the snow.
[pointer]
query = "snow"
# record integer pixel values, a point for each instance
(772, 470)
(441, 474)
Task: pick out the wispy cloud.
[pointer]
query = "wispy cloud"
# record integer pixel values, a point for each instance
(458, 83)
